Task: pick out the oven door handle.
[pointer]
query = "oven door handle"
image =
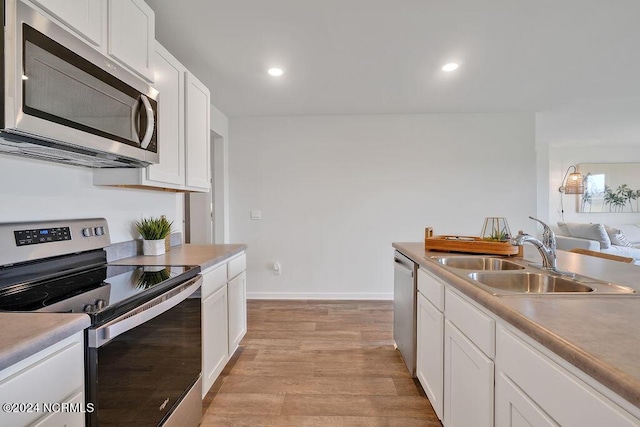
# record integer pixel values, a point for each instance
(102, 335)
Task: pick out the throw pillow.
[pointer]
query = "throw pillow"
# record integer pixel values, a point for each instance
(563, 228)
(630, 231)
(617, 237)
(588, 231)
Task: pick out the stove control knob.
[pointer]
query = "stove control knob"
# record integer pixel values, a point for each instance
(87, 232)
(99, 231)
(88, 308)
(99, 304)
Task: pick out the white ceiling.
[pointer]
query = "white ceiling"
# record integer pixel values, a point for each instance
(384, 56)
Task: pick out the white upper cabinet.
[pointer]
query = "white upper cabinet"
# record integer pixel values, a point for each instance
(86, 17)
(198, 130)
(169, 81)
(124, 30)
(131, 34)
(183, 134)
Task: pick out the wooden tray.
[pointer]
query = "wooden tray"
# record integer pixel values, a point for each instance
(470, 244)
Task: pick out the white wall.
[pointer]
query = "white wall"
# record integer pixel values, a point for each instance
(336, 191)
(35, 190)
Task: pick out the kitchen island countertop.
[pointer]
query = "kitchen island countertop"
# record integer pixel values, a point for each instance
(597, 334)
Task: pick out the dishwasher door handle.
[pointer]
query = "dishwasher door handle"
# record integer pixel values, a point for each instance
(402, 268)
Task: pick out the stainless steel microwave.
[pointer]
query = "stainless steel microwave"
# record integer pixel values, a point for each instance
(66, 102)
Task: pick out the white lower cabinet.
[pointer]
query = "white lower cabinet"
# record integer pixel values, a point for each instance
(514, 408)
(468, 381)
(554, 395)
(224, 316)
(496, 375)
(237, 291)
(430, 353)
(52, 376)
(214, 337)
(215, 327)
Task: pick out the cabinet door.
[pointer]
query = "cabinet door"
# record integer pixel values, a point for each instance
(468, 382)
(197, 134)
(53, 375)
(430, 352)
(169, 80)
(237, 289)
(214, 337)
(516, 409)
(85, 17)
(131, 35)
(566, 398)
(65, 418)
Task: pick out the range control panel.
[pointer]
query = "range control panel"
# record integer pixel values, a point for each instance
(42, 235)
(24, 241)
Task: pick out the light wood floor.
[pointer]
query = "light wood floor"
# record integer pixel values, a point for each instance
(317, 363)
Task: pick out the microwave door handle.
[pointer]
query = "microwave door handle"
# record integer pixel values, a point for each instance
(150, 122)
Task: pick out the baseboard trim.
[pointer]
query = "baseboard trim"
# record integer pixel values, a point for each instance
(383, 296)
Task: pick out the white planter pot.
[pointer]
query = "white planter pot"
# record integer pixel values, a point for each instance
(153, 247)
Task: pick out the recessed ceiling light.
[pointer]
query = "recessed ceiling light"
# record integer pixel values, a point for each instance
(452, 66)
(275, 72)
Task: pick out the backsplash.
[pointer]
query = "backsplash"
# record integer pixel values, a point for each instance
(131, 248)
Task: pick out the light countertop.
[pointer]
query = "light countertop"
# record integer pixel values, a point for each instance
(203, 255)
(597, 334)
(25, 334)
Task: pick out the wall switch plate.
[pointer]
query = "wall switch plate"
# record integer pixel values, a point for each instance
(255, 214)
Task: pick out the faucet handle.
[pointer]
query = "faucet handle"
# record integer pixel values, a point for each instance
(546, 227)
(548, 236)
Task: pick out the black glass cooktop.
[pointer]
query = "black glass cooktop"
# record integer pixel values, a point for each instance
(102, 291)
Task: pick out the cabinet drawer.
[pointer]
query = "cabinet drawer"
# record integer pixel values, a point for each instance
(477, 326)
(431, 288)
(558, 392)
(236, 266)
(213, 279)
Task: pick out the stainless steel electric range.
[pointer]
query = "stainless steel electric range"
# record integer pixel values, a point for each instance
(143, 348)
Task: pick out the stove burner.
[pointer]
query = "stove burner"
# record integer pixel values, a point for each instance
(20, 298)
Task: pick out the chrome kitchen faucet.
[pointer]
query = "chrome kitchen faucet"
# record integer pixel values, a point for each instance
(546, 247)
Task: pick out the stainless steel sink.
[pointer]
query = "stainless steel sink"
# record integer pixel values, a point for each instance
(541, 283)
(478, 263)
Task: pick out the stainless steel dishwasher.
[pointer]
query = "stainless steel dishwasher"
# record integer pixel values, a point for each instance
(404, 309)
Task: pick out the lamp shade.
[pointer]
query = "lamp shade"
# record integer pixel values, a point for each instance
(573, 182)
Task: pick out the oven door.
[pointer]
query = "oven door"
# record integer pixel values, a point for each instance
(145, 365)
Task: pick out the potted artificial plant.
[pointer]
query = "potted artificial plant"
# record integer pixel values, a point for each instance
(153, 231)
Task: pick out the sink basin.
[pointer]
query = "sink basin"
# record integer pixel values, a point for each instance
(530, 283)
(479, 263)
(516, 282)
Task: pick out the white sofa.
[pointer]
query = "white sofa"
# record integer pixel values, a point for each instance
(622, 239)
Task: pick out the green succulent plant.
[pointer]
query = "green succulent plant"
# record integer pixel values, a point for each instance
(154, 228)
